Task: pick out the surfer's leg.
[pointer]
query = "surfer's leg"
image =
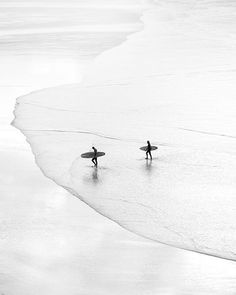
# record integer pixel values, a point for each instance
(150, 155)
(93, 160)
(147, 155)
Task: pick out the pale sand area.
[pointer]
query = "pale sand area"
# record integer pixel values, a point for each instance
(51, 243)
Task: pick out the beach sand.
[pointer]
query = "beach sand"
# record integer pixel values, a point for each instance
(51, 242)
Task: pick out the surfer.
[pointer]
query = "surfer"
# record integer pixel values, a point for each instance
(94, 159)
(149, 148)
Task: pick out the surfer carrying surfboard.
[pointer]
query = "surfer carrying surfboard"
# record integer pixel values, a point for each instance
(95, 158)
(149, 148)
(93, 155)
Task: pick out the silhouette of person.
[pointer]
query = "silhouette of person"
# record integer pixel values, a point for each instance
(94, 159)
(149, 148)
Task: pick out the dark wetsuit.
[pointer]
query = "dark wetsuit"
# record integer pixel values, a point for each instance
(94, 159)
(148, 152)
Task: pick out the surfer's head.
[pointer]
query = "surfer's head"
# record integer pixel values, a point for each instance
(93, 147)
(148, 141)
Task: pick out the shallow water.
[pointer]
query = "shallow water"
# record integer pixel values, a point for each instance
(50, 242)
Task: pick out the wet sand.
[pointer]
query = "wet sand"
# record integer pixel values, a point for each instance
(52, 243)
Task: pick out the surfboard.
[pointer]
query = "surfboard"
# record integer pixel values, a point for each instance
(91, 154)
(144, 148)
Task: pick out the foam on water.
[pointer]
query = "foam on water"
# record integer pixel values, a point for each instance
(172, 83)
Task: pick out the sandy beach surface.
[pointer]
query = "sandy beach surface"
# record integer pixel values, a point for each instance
(51, 242)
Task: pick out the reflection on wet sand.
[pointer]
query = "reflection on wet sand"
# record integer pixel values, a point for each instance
(148, 165)
(95, 175)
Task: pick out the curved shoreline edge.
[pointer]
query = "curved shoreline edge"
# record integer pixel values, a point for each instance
(210, 157)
